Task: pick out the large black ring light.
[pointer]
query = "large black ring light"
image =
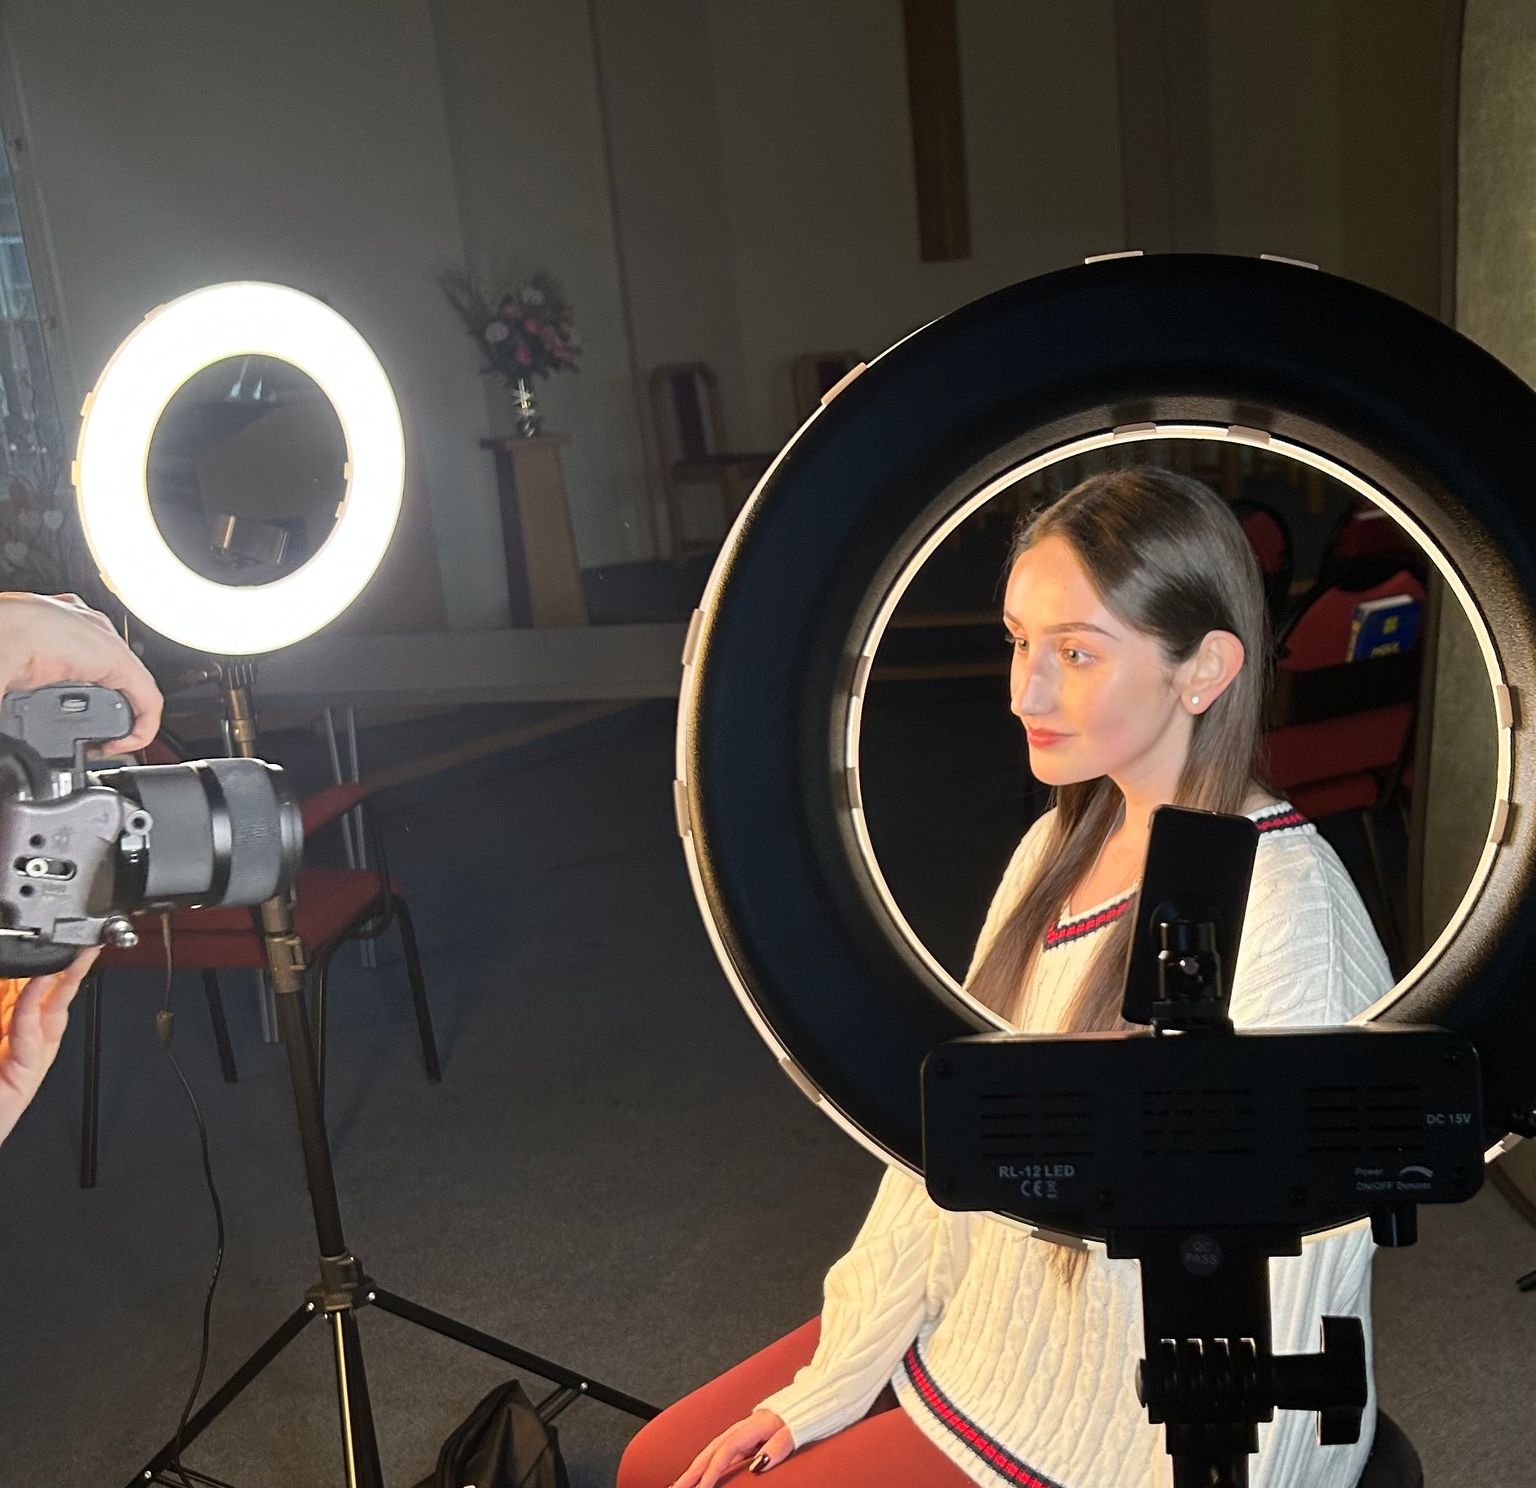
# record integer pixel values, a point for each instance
(1267, 352)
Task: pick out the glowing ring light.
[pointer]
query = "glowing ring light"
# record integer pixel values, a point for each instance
(1394, 404)
(169, 346)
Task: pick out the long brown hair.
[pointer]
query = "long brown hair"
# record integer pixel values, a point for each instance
(1169, 559)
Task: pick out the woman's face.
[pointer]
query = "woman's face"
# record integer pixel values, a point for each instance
(1095, 697)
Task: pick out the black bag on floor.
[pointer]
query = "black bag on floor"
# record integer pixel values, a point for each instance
(501, 1443)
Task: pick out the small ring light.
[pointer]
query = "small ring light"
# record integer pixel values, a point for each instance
(172, 344)
(1375, 394)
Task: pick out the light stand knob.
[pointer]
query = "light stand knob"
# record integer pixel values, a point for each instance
(119, 933)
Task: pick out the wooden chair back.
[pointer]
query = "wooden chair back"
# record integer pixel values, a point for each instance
(685, 408)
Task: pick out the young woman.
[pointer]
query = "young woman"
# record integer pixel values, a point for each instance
(953, 1348)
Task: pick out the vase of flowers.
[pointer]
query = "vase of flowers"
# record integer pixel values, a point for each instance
(528, 333)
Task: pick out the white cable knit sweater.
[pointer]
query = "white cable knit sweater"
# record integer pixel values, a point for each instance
(1021, 1380)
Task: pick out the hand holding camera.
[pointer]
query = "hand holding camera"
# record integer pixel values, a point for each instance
(59, 638)
(33, 1015)
(83, 846)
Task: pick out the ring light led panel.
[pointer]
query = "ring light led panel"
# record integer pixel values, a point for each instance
(172, 344)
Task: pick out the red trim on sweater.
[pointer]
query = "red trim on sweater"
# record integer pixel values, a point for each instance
(1065, 930)
(996, 1456)
(1286, 816)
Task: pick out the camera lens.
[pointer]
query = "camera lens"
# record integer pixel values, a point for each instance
(223, 831)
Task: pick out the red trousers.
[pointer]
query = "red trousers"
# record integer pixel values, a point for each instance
(884, 1450)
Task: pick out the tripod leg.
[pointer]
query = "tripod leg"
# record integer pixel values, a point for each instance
(498, 1348)
(220, 1025)
(360, 1447)
(418, 988)
(221, 1398)
(92, 1095)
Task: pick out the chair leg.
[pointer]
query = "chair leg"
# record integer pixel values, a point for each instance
(92, 1092)
(418, 988)
(1394, 946)
(220, 1025)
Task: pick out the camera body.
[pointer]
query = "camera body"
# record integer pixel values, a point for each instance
(86, 843)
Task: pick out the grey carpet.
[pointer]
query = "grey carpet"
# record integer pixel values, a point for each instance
(612, 1172)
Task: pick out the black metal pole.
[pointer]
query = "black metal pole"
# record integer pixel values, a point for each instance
(340, 1275)
(293, 1024)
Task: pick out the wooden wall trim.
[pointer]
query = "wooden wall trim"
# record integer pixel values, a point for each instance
(932, 35)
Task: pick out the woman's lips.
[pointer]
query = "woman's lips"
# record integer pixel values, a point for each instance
(1043, 738)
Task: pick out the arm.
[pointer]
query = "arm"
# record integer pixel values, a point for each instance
(57, 638)
(1309, 958)
(902, 1267)
(43, 640)
(1331, 1277)
(877, 1297)
(32, 1019)
(894, 1278)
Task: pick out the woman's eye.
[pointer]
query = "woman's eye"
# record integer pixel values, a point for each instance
(1013, 642)
(1074, 656)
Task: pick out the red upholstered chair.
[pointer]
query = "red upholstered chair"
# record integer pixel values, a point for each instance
(1340, 731)
(1269, 535)
(1367, 531)
(332, 907)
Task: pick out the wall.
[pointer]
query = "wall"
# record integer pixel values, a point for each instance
(172, 144)
(1276, 143)
(713, 181)
(1325, 139)
(763, 186)
(519, 85)
(1496, 307)
(671, 220)
(815, 135)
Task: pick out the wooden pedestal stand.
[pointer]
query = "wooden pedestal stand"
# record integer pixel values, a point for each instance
(543, 579)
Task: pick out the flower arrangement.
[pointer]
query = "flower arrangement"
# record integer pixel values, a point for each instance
(528, 333)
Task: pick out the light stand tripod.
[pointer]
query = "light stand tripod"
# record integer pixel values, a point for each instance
(343, 1288)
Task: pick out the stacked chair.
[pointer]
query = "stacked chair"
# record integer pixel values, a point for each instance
(1339, 732)
(1269, 535)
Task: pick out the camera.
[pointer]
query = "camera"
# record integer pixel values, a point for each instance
(85, 843)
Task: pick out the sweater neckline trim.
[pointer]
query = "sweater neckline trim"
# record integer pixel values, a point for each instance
(1007, 1465)
(1280, 817)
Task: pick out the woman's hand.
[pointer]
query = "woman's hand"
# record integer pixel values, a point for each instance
(32, 1019)
(59, 638)
(763, 1437)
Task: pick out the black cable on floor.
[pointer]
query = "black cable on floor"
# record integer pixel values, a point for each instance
(165, 1024)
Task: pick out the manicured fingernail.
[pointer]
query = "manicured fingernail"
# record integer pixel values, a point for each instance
(758, 1463)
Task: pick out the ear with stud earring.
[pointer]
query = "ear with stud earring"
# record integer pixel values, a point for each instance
(1194, 702)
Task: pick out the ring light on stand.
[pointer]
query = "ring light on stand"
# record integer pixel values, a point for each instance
(1394, 404)
(169, 346)
(173, 344)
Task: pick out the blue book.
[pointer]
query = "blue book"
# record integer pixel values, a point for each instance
(1383, 626)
